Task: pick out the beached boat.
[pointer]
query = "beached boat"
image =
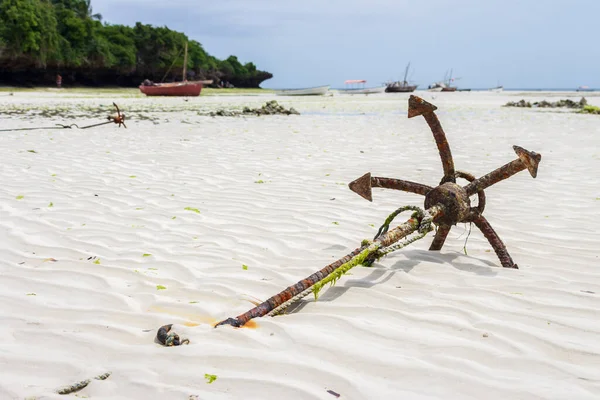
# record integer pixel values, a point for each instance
(497, 89)
(360, 90)
(441, 87)
(313, 91)
(172, 89)
(401, 87)
(185, 88)
(444, 86)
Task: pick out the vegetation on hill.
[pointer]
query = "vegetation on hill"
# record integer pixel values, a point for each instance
(42, 38)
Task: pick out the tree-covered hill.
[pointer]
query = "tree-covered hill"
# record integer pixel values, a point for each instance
(42, 38)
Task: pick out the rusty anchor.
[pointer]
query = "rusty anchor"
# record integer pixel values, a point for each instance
(446, 205)
(452, 196)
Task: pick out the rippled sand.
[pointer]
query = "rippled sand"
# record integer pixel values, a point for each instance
(106, 234)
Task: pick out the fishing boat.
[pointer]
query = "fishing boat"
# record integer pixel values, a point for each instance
(184, 88)
(360, 90)
(401, 87)
(444, 86)
(313, 91)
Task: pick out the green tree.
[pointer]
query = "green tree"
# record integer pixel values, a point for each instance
(66, 35)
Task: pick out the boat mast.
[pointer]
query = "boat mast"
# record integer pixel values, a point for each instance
(406, 74)
(185, 63)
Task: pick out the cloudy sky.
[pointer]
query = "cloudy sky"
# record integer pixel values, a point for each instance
(518, 43)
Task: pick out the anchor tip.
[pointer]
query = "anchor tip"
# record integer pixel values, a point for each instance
(531, 159)
(418, 106)
(362, 186)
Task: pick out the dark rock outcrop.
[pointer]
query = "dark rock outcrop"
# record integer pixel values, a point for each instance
(567, 103)
(270, 108)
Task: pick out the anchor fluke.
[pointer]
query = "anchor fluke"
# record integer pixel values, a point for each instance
(531, 159)
(362, 186)
(418, 106)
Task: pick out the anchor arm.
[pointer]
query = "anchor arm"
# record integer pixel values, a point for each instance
(363, 185)
(527, 160)
(490, 234)
(418, 106)
(440, 237)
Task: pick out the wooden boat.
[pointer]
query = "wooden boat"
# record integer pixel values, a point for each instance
(185, 88)
(172, 89)
(313, 91)
(444, 86)
(361, 90)
(401, 87)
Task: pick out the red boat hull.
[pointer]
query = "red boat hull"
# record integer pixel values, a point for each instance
(173, 89)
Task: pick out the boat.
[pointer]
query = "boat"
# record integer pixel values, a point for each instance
(448, 89)
(184, 88)
(172, 89)
(584, 89)
(444, 86)
(499, 88)
(401, 87)
(441, 87)
(313, 91)
(361, 90)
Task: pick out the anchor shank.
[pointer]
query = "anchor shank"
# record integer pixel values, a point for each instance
(443, 146)
(386, 240)
(504, 172)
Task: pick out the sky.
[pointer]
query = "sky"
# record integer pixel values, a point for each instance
(305, 43)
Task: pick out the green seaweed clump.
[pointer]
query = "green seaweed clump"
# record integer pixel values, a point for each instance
(590, 110)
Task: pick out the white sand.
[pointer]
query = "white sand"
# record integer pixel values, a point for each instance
(417, 325)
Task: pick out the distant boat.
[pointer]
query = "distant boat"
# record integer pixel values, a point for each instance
(401, 87)
(444, 86)
(172, 89)
(184, 88)
(497, 89)
(313, 91)
(584, 89)
(361, 90)
(441, 87)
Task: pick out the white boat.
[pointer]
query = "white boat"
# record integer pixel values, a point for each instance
(361, 90)
(314, 91)
(436, 87)
(497, 89)
(444, 86)
(364, 91)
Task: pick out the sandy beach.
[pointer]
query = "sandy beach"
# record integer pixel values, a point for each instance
(108, 233)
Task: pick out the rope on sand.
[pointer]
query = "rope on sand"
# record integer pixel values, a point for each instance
(366, 257)
(118, 118)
